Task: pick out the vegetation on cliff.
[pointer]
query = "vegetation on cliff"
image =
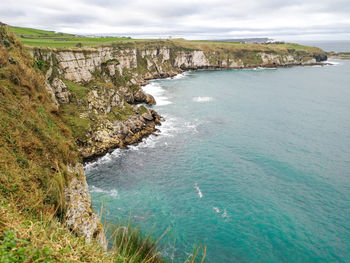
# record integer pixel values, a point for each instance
(61, 106)
(35, 148)
(39, 148)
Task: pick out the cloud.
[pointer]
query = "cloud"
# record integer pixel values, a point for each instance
(196, 19)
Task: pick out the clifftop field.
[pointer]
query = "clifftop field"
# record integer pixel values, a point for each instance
(42, 38)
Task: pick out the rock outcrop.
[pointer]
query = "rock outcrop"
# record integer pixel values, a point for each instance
(79, 216)
(119, 134)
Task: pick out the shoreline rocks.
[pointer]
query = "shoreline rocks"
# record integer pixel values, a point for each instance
(120, 135)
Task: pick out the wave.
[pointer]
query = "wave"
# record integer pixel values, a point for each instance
(332, 62)
(103, 160)
(202, 99)
(180, 76)
(217, 210)
(169, 128)
(112, 192)
(224, 214)
(198, 190)
(157, 92)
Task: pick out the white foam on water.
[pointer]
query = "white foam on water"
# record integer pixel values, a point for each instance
(169, 128)
(157, 92)
(332, 62)
(224, 214)
(202, 99)
(191, 127)
(217, 210)
(112, 192)
(181, 75)
(103, 160)
(198, 190)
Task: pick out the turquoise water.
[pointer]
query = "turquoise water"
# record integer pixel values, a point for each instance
(255, 164)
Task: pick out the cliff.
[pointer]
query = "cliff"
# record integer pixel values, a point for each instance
(99, 88)
(60, 107)
(41, 177)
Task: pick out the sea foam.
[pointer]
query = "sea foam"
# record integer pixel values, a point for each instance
(180, 76)
(112, 192)
(103, 160)
(332, 62)
(157, 92)
(202, 99)
(198, 190)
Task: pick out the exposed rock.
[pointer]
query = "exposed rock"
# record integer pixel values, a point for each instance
(79, 216)
(147, 116)
(119, 134)
(320, 57)
(309, 61)
(191, 59)
(52, 95)
(142, 97)
(60, 89)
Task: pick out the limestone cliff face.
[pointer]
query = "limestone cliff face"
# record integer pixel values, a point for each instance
(98, 90)
(79, 65)
(79, 216)
(112, 77)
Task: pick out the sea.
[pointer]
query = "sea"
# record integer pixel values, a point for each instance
(254, 164)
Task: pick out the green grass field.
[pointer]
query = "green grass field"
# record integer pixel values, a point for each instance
(42, 38)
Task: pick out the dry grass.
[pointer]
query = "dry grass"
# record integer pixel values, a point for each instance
(35, 148)
(46, 236)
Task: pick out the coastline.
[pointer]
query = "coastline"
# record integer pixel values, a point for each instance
(156, 131)
(128, 156)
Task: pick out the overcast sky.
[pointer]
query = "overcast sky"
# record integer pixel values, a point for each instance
(197, 19)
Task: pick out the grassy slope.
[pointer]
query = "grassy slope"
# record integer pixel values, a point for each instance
(35, 147)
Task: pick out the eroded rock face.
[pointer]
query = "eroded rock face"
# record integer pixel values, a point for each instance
(60, 90)
(191, 60)
(140, 97)
(309, 61)
(119, 134)
(80, 217)
(78, 66)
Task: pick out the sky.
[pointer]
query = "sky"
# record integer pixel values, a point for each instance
(196, 19)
